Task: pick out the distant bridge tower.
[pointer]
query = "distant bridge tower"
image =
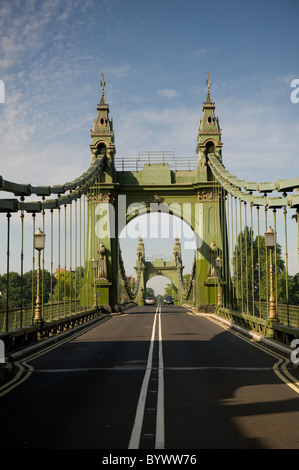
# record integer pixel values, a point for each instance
(146, 269)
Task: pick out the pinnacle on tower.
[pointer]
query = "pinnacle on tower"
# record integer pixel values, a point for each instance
(209, 132)
(140, 248)
(103, 84)
(177, 248)
(102, 133)
(209, 83)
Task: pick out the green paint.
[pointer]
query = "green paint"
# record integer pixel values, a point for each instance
(192, 194)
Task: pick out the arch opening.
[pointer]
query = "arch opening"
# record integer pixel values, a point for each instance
(210, 147)
(158, 284)
(159, 232)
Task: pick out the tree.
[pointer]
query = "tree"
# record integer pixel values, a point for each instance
(150, 292)
(262, 265)
(251, 267)
(68, 284)
(169, 290)
(20, 288)
(294, 289)
(14, 290)
(45, 286)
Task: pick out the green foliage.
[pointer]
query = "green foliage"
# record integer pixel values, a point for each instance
(169, 290)
(294, 289)
(68, 284)
(20, 288)
(150, 292)
(251, 267)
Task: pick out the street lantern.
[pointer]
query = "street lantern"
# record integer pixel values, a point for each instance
(39, 240)
(218, 262)
(39, 245)
(270, 243)
(94, 266)
(270, 238)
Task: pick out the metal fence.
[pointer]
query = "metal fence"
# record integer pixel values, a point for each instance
(286, 314)
(150, 158)
(16, 318)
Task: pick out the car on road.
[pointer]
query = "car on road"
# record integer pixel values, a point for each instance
(150, 301)
(168, 300)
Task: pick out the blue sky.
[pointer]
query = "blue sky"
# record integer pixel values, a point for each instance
(155, 56)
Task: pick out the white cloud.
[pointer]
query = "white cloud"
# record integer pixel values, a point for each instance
(119, 71)
(170, 129)
(168, 93)
(204, 51)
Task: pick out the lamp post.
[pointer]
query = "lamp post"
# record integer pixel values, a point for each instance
(94, 265)
(270, 243)
(39, 245)
(219, 266)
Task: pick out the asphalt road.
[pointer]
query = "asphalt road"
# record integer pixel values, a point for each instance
(152, 378)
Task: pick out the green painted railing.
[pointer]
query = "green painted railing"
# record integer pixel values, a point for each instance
(285, 314)
(52, 311)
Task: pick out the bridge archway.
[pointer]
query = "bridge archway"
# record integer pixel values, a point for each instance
(160, 234)
(154, 183)
(158, 283)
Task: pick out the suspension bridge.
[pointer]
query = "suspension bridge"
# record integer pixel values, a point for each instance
(72, 279)
(81, 221)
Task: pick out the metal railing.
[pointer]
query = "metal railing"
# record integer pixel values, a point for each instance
(285, 314)
(18, 318)
(158, 258)
(151, 158)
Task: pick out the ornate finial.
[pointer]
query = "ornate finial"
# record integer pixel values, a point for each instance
(103, 84)
(209, 82)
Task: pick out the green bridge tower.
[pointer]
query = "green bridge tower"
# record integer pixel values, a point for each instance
(119, 195)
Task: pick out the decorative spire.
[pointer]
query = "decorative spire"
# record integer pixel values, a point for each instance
(208, 82)
(140, 248)
(102, 134)
(209, 133)
(103, 84)
(177, 248)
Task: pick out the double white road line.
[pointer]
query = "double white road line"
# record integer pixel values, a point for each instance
(137, 428)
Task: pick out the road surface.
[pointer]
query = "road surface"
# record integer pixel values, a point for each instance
(152, 378)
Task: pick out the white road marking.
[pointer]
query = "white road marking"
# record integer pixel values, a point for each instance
(160, 433)
(136, 432)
